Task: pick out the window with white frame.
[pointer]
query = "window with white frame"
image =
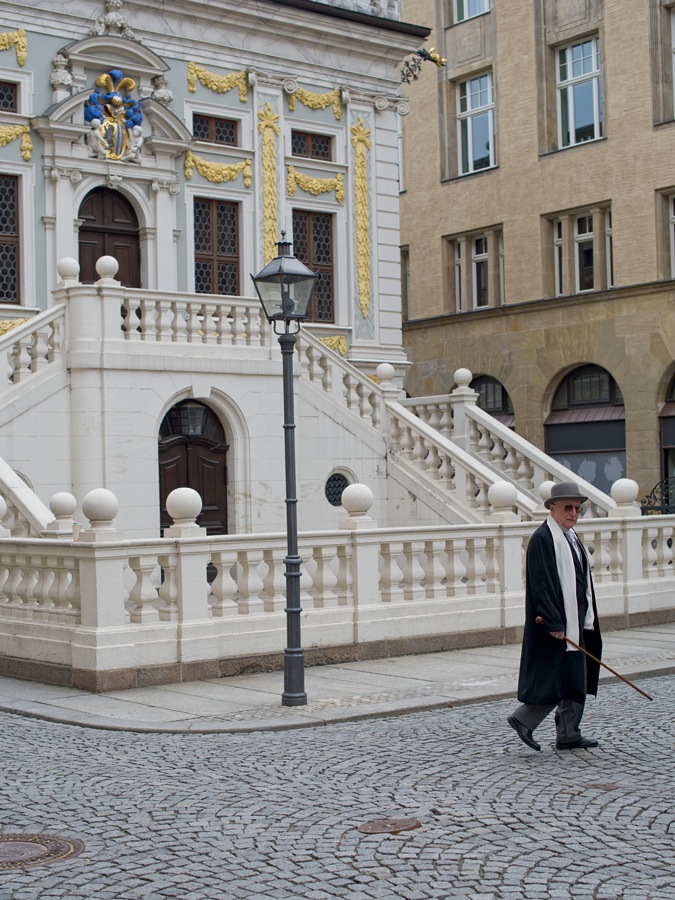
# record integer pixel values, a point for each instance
(9, 239)
(475, 131)
(583, 258)
(477, 276)
(579, 93)
(467, 9)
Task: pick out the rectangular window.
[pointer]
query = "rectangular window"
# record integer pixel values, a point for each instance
(475, 115)
(405, 283)
(467, 9)
(558, 256)
(9, 239)
(313, 146)
(671, 229)
(480, 273)
(215, 130)
(216, 233)
(8, 93)
(475, 270)
(583, 237)
(579, 93)
(313, 245)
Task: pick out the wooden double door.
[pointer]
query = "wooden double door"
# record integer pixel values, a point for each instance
(109, 228)
(193, 453)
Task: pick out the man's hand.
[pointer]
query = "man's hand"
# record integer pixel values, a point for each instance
(560, 635)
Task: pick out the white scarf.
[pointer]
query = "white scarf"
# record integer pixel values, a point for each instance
(568, 582)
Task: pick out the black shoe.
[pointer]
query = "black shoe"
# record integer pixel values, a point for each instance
(523, 733)
(582, 744)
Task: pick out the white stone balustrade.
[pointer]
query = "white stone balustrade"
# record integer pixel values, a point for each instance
(102, 605)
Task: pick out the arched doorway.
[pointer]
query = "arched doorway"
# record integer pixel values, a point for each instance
(192, 453)
(109, 228)
(586, 428)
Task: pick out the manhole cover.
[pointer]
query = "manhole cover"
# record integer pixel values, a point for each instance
(391, 826)
(18, 850)
(601, 786)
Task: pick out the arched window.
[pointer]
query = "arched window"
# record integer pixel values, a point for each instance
(667, 420)
(494, 399)
(586, 429)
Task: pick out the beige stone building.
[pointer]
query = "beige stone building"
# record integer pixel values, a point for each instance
(538, 223)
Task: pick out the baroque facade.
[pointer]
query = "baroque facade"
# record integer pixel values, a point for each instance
(181, 146)
(538, 224)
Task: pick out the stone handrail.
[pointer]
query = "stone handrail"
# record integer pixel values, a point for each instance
(32, 346)
(101, 605)
(508, 454)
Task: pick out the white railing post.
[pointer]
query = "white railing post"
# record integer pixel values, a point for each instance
(636, 589)
(357, 499)
(460, 398)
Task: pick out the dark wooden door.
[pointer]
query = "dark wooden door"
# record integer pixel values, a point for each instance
(193, 453)
(109, 228)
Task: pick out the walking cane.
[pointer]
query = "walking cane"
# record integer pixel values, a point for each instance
(540, 621)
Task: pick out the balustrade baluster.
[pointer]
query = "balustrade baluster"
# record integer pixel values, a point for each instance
(224, 330)
(434, 571)
(238, 326)
(254, 320)
(274, 581)
(168, 589)
(39, 349)
(180, 322)
(455, 570)
(209, 329)
(351, 396)
(413, 573)
(343, 584)
(392, 575)
(73, 596)
(22, 359)
(324, 578)
(143, 595)
(194, 322)
(59, 587)
(250, 583)
(224, 586)
(432, 460)
(164, 321)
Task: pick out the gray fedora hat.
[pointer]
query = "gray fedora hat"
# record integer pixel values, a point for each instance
(566, 490)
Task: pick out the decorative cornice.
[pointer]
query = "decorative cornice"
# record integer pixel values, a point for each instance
(268, 126)
(221, 84)
(314, 101)
(74, 175)
(9, 133)
(217, 173)
(361, 144)
(10, 39)
(315, 186)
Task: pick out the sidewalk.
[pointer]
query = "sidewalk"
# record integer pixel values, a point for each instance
(336, 693)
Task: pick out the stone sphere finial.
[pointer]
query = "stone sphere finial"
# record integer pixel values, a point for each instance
(68, 269)
(63, 505)
(107, 266)
(3, 508)
(502, 495)
(100, 506)
(544, 490)
(624, 491)
(463, 377)
(385, 372)
(184, 505)
(357, 499)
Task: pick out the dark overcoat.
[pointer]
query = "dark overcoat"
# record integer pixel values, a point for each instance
(548, 672)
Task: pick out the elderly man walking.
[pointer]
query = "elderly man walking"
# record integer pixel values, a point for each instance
(559, 603)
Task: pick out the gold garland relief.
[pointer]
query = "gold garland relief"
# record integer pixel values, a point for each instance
(317, 101)
(9, 324)
(361, 144)
(337, 343)
(9, 133)
(315, 186)
(268, 126)
(10, 38)
(221, 84)
(217, 173)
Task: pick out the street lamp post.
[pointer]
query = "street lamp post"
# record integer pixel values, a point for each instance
(285, 289)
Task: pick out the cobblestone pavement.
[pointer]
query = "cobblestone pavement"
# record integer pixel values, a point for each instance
(276, 815)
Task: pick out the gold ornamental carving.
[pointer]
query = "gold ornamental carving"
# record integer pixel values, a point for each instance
(10, 324)
(217, 173)
(9, 133)
(221, 84)
(15, 38)
(268, 126)
(361, 145)
(317, 101)
(337, 343)
(315, 186)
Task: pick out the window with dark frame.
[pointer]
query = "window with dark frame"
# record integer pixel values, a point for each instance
(313, 245)
(8, 96)
(312, 146)
(216, 235)
(215, 130)
(9, 239)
